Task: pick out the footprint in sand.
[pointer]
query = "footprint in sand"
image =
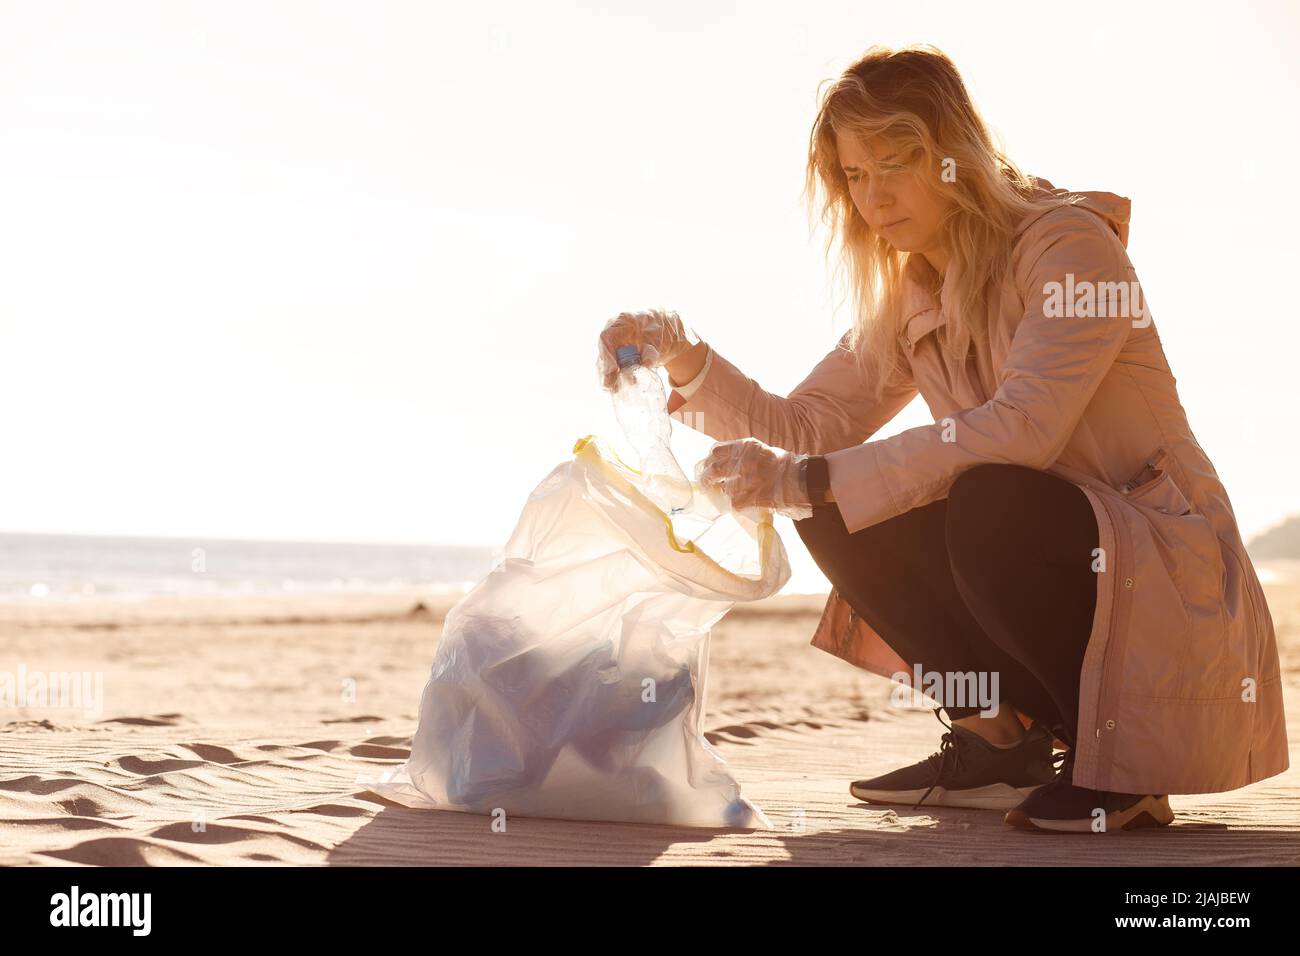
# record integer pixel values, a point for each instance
(18, 725)
(743, 733)
(375, 751)
(147, 768)
(157, 720)
(214, 754)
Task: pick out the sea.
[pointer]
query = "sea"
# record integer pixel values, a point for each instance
(69, 567)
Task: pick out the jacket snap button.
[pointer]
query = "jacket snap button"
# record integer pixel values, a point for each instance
(1128, 582)
(1110, 725)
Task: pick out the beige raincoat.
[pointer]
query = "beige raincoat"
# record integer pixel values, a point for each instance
(1180, 686)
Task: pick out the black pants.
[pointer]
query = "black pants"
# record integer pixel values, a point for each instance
(998, 577)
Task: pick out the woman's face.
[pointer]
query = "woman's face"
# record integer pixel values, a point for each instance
(893, 201)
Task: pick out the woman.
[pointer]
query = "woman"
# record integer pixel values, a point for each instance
(1057, 533)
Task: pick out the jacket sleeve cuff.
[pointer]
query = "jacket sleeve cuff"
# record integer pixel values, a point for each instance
(861, 491)
(691, 387)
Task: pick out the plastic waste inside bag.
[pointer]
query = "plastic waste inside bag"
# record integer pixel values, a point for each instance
(570, 682)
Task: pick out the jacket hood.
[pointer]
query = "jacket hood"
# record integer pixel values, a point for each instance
(1114, 210)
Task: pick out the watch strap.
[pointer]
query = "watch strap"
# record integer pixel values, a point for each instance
(817, 478)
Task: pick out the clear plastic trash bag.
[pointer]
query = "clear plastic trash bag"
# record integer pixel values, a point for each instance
(570, 682)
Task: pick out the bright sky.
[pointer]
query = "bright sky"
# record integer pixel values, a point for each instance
(335, 271)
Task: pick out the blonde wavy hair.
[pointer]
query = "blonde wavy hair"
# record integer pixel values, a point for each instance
(916, 96)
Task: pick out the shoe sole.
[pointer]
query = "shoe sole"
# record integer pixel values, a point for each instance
(997, 796)
(1147, 812)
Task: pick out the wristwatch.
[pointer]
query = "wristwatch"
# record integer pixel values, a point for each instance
(816, 477)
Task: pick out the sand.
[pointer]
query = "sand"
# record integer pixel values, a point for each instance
(231, 731)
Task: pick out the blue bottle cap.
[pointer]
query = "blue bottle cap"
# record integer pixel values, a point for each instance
(627, 355)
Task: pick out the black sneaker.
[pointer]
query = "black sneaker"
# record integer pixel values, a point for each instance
(1061, 807)
(968, 771)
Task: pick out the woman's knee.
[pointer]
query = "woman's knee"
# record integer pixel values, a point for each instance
(980, 496)
(1014, 510)
(993, 479)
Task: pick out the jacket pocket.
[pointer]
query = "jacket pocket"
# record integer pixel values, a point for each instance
(1154, 487)
(1181, 537)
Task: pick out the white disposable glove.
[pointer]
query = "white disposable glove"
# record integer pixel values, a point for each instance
(659, 336)
(754, 475)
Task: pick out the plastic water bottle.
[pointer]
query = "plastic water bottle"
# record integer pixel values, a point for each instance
(641, 408)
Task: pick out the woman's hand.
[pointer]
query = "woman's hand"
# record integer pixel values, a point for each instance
(659, 336)
(754, 475)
